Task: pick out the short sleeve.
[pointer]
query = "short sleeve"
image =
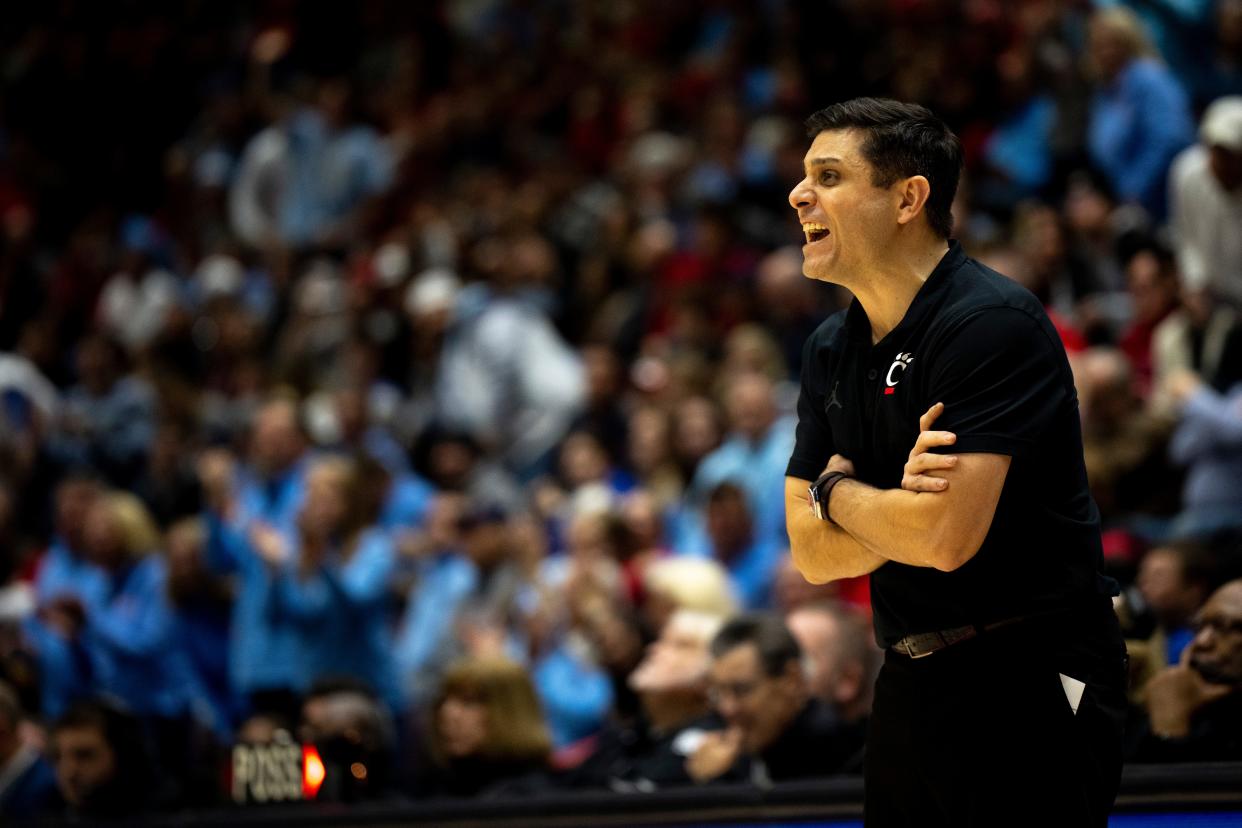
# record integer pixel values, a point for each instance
(813, 444)
(1003, 378)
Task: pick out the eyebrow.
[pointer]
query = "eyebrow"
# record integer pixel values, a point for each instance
(820, 162)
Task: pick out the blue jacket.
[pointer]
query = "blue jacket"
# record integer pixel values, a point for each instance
(66, 674)
(426, 640)
(338, 616)
(262, 652)
(129, 636)
(1137, 124)
(275, 502)
(1208, 440)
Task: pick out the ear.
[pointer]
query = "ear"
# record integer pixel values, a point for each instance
(913, 193)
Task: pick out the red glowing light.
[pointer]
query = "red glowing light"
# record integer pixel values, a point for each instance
(312, 772)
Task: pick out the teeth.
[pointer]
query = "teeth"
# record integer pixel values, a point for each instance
(810, 227)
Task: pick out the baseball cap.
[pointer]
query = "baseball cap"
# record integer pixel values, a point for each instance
(1222, 124)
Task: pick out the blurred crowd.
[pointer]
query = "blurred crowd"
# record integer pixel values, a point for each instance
(415, 380)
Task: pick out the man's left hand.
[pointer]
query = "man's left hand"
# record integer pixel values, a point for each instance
(915, 476)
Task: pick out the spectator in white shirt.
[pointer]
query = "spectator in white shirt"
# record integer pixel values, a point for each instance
(1206, 198)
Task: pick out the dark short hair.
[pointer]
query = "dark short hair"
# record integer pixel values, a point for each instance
(727, 491)
(902, 140)
(772, 639)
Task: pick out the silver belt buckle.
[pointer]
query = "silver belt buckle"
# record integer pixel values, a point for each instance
(910, 649)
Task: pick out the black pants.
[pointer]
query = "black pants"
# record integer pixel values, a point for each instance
(981, 734)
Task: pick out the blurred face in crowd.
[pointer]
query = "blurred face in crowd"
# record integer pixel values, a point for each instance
(326, 496)
(1163, 585)
(1109, 46)
(790, 590)
(648, 439)
(678, 660)
(847, 220)
(73, 501)
(759, 705)
(729, 523)
(1104, 380)
(1216, 651)
(486, 541)
(259, 729)
(588, 538)
(351, 414)
(750, 406)
(698, 431)
(276, 443)
(104, 542)
(84, 763)
(583, 459)
(1152, 288)
(183, 549)
(462, 724)
(451, 463)
(95, 365)
(641, 513)
(822, 640)
(603, 374)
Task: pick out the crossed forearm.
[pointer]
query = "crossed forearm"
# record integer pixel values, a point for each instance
(893, 524)
(870, 528)
(823, 552)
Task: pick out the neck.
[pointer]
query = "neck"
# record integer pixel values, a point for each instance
(886, 289)
(666, 710)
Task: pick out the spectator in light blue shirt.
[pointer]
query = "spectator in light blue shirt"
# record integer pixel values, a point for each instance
(754, 455)
(270, 488)
(331, 586)
(202, 604)
(443, 579)
(750, 558)
(303, 182)
(1208, 442)
(1140, 115)
(128, 632)
(108, 418)
(66, 583)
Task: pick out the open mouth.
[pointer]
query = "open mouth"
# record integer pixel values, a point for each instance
(814, 232)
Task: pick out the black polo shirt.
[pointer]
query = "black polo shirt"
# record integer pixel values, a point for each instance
(983, 346)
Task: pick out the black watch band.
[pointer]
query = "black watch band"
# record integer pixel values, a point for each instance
(820, 491)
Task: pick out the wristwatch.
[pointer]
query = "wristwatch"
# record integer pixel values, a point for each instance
(821, 489)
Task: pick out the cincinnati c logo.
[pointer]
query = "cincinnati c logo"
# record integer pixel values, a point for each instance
(893, 376)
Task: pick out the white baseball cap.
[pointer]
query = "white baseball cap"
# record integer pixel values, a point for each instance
(1222, 124)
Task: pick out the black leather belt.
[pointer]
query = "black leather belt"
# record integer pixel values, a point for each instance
(920, 645)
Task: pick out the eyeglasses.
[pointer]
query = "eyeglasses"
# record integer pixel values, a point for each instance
(1220, 626)
(737, 690)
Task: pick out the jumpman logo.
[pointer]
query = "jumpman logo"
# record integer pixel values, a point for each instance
(833, 399)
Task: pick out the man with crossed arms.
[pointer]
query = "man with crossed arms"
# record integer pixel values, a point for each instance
(1001, 699)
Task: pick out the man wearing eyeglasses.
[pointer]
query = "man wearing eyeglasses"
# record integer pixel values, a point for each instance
(1194, 708)
(774, 730)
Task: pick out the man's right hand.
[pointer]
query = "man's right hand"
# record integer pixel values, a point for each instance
(1173, 696)
(718, 752)
(915, 476)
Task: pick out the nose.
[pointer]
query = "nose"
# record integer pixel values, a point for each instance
(1203, 638)
(801, 195)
